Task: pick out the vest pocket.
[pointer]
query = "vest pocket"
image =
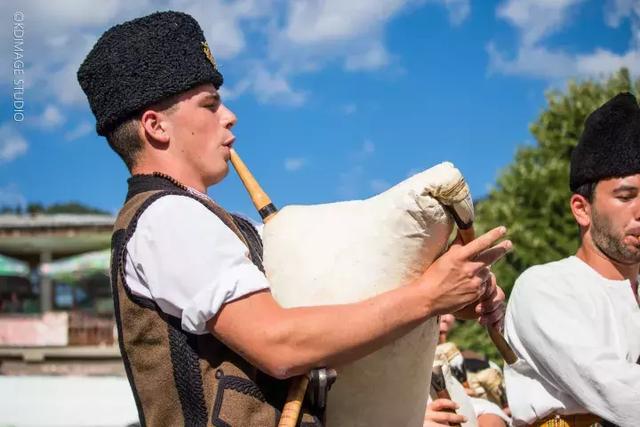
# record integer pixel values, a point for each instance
(240, 402)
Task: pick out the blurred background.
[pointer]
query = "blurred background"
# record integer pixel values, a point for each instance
(336, 100)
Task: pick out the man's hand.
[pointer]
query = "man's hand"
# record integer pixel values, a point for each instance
(457, 279)
(490, 309)
(437, 415)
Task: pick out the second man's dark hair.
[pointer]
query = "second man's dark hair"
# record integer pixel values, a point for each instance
(588, 191)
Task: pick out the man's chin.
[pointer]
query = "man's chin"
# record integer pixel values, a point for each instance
(630, 256)
(217, 177)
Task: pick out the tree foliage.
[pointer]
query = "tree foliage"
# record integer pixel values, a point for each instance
(531, 196)
(73, 208)
(56, 208)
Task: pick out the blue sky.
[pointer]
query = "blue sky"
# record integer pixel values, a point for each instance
(336, 99)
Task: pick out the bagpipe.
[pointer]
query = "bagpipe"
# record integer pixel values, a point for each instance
(344, 252)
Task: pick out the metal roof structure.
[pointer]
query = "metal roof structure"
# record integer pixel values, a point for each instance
(46, 221)
(27, 237)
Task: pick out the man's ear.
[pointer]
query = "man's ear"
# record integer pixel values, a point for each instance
(581, 209)
(154, 126)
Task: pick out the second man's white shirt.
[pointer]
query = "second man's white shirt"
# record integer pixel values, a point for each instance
(577, 335)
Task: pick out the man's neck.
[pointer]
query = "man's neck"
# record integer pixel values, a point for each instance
(607, 267)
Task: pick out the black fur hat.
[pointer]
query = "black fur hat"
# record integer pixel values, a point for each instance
(143, 61)
(610, 143)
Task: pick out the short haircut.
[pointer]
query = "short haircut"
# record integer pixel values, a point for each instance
(124, 139)
(588, 191)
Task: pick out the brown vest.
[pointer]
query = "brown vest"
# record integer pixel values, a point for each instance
(179, 378)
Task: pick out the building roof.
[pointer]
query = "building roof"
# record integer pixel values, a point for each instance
(28, 236)
(12, 221)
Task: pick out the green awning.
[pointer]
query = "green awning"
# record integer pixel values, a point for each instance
(13, 267)
(77, 267)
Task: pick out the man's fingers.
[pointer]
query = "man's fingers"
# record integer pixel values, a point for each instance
(497, 324)
(491, 255)
(484, 274)
(492, 291)
(471, 249)
(443, 405)
(492, 308)
(445, 417)
(485, 308)
(429, 423)
(437, 411)
(495, 318)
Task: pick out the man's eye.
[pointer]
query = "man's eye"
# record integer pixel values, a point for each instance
(625, 198)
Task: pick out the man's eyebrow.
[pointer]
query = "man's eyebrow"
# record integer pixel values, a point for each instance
(212, 97)
(624, 188)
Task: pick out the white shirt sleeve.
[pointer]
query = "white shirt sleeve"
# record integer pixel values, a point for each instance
(566, 333)
(188, 261)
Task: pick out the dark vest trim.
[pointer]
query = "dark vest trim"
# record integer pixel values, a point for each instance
(144, 302)
(186, 374)
(141, 183)
(184, 359)
(116, 251)
(253, 239)
(241, 385)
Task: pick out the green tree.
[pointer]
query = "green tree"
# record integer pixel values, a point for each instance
(35, 208)
(56, 208)
(531, 196)
(73, 208)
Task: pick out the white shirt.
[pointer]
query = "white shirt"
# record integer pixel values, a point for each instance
(577, 335)
(188, 261)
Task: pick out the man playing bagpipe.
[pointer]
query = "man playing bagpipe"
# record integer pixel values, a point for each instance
(202, 338)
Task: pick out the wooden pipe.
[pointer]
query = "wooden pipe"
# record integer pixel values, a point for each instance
(267, 210)
(260, 200)
(467, 234)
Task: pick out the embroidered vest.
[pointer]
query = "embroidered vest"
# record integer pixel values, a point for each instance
(179, 378)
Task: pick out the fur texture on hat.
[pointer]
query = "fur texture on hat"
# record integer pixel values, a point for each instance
(143, 61)
(610, 143)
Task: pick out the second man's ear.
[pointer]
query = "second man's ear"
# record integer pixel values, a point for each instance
(581, 209)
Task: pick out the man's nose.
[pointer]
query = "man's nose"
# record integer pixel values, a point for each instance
(229, 119)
